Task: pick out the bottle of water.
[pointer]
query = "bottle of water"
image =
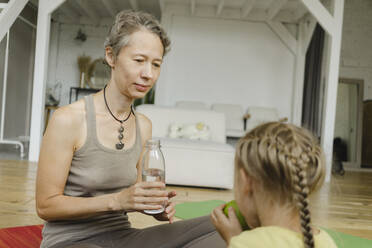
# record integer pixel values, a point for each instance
(153, 167)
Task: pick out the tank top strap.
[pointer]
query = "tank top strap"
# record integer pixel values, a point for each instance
(138, 132)
(90, 117)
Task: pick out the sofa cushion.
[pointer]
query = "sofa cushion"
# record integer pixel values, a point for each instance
(193, 131)
(260, 115)
(233, 113)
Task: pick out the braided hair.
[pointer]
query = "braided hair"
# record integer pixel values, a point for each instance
(287, 160)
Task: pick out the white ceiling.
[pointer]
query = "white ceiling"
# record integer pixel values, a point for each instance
(287, 11)
(97, 10)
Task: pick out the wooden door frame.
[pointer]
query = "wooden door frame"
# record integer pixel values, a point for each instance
(352, 165)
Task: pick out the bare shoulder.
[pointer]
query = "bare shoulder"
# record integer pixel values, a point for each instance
(69, 117)
(145, 125)
(144, 121)
(64, 130)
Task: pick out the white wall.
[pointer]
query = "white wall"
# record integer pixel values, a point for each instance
(356, 52)
(64, 50)
(212, 60)
(226, 61)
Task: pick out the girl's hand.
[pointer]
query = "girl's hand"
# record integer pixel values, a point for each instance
(141, 196)
(169, 211)
(226, 226)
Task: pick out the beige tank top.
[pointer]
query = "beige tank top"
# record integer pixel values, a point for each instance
(95, 170)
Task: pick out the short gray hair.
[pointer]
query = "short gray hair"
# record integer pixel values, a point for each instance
(129, 21)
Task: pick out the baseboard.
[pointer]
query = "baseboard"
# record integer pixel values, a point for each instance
(358, 169)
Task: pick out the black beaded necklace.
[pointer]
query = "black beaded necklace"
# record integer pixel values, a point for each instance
(119, 145)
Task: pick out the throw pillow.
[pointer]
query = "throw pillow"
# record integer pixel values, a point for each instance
(195, 131)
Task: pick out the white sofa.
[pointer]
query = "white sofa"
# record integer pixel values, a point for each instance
(193, 162)
(259, 115)
(235, 118)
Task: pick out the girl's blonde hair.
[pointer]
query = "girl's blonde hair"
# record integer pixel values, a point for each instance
(288, 163)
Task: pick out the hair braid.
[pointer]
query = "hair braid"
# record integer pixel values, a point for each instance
(301, 191)
(288, 162)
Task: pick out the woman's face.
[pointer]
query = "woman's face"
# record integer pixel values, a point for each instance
(137, 66)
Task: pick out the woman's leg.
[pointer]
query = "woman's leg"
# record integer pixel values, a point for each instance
(83, 246)
(187, 233)
(193, 233)
(212, 239)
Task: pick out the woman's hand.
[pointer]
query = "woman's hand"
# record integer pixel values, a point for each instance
(226, 226)
(169, 211)
(141, 196)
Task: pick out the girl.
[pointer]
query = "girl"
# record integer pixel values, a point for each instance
(277, 166)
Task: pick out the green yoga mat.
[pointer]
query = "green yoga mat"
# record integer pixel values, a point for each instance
(344, 240)
(190, 210)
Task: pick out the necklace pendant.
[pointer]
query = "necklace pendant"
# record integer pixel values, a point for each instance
(119, 146)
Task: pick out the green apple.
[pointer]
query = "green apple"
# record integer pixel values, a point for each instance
(237, 213)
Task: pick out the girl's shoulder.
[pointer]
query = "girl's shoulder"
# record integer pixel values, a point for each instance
(273, 236)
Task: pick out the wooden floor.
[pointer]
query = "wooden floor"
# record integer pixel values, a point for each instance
(345, 204)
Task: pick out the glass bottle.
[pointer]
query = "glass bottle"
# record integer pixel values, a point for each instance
(153, 167)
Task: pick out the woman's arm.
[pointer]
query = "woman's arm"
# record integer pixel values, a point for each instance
(59, 143)
(56, 153)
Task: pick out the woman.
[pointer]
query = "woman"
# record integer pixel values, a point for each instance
(89, 173)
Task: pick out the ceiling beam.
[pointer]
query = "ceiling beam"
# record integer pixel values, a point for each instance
(247, 7)
(299, 13)
(88, 10)
(220, 6)
(192, 6)
(257, 15)
(285, 36)
(325, 19)
(134, 4)
(308, 32)
(274, 8)
(9, 15)
(110, 7)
